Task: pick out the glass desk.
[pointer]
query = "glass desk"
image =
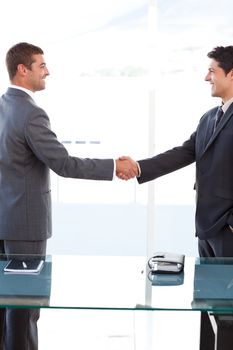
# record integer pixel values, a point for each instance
(121, 283)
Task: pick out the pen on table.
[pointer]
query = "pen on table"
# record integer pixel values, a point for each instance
(24, 265)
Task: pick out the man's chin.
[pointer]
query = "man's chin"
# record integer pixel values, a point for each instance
(214, 94)
(42, 87)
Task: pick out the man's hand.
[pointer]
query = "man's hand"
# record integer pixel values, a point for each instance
(126, 168)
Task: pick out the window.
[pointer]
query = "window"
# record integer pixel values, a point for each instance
(126, 79)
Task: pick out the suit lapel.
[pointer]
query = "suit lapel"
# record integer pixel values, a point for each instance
(209, 130)
(227, 116)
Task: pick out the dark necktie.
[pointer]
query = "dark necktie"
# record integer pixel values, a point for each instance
(218, 117)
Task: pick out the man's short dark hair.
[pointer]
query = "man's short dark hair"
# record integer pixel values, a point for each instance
(224, 57)
(21, 53)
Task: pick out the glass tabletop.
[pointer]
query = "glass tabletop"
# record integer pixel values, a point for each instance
(118, 282)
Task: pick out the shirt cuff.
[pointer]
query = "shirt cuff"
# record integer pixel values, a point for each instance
(114, 170)
(139, 169)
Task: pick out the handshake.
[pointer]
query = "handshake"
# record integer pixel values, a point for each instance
(127, 168)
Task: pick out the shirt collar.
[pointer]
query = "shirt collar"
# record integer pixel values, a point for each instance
(29, 92)
(227, 104)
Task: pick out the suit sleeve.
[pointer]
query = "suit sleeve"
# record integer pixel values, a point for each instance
(46, 147)
(169, 161)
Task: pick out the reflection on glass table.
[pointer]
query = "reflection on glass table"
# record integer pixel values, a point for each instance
(21, 283)
(119, 282)
(213, 284)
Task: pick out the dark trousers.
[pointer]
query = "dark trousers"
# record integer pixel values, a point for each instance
(18, 327)
(218, 246)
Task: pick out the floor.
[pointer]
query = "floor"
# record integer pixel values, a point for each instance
(118, 330)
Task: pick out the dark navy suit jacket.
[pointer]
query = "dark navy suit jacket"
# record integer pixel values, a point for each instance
(213, 154)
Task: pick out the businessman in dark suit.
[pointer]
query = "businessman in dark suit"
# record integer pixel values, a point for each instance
(211, 147)
(28, 149)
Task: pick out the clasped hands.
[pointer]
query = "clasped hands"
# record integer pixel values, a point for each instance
(126, 168)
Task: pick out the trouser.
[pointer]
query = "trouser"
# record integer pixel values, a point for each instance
(220, 245)
(18, 327)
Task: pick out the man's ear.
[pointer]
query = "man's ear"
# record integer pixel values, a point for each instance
(231, 74)
(21, 69)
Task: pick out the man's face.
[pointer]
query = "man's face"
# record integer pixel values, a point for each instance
(221, 83)
(35, 76)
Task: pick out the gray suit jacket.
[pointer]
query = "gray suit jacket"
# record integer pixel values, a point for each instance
(28, 149)
(213, 154)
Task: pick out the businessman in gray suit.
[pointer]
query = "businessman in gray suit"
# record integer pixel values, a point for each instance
(211, 148)
(28, 150)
